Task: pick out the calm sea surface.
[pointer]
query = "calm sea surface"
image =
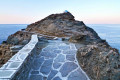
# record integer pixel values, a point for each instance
(8, 29)
(111, 33)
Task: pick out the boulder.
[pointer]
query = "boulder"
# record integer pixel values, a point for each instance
(16, 48)
(20, 37)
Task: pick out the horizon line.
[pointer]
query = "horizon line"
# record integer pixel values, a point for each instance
(32, 23)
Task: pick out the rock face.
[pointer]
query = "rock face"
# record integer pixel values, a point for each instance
(101, 62)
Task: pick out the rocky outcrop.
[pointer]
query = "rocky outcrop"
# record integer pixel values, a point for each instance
(64, 25)
(20, 37)
(100, 61)
(60, 25)
(97, 58)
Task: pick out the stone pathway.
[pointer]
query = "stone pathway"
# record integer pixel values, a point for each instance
(57, 61)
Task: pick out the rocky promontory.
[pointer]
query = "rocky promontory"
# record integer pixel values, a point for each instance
(60, 25)
(96, 57)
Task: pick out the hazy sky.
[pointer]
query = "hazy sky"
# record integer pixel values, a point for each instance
(89, 11)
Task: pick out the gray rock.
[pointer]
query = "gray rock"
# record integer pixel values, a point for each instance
(52, 74)
(24, 42)
(64, 47)
(67, 68)
(76, 38)
(15, 41)
(37, 63)
(60, 58)
(16, 47)
(46, 67)
(50, 48)
(70, 57)
(48, 54)
(56, 65)
(69, 51)
(57, 78)
(20, 37)
(77, 75)
(35, 77)
(57, 51)
(35, 72)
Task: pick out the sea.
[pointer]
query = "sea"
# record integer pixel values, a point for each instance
(8, 29)
(108, 32)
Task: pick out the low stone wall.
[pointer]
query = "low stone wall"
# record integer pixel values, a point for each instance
(18, 61)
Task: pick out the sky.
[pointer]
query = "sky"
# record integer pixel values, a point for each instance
(88, 11)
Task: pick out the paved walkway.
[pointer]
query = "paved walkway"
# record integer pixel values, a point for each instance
(57, 61)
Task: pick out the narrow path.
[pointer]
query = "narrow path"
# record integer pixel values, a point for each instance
(57, 61)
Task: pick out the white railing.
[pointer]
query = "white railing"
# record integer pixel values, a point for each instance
(9, 69)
